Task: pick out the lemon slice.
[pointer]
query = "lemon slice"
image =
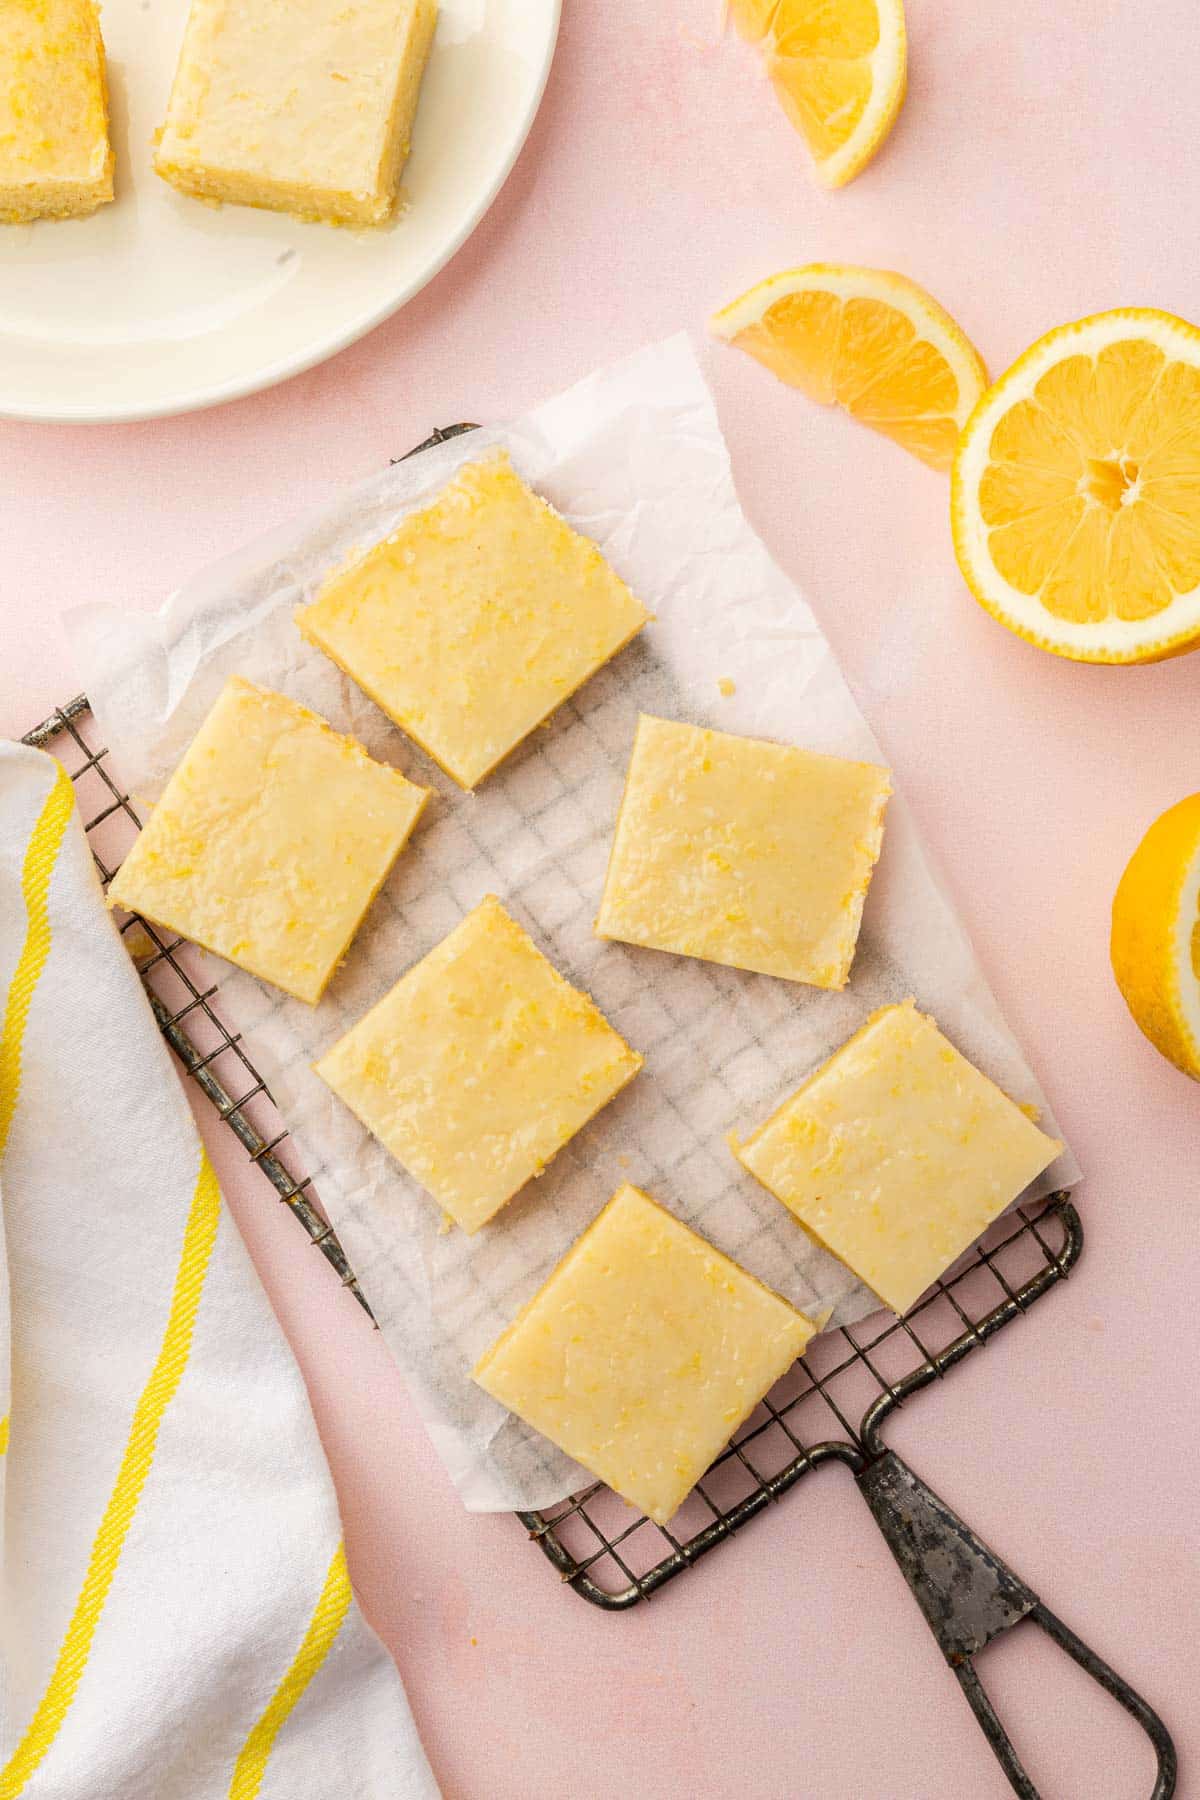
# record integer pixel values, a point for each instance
(1156, 935)
(1076, 494)
(838, 67)
(866, 340)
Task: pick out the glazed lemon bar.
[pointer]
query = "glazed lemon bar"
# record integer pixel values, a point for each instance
(743, 852)
(475, 619)
(643, 1353)
(897, 1154)
(55, 157)
(270, 841)
(479, 1065)
(301, 106)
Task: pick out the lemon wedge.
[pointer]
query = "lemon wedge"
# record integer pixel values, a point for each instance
(867, 340)
(1155, 942)
(839, 70)
(1076, 493)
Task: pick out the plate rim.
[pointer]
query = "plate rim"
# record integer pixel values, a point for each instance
(241, 387)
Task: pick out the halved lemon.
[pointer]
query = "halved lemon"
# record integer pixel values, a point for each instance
(1155, 942)
(838, 67)
(1076, 495)
(869, 341)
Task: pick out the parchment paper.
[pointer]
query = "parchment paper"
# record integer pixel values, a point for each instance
(634, 457)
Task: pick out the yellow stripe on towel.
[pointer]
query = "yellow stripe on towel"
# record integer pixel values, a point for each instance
(317, 1642)
(198, 1239)
(4, 1435)
(40, 858)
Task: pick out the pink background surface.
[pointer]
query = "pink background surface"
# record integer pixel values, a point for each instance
(1042, 169)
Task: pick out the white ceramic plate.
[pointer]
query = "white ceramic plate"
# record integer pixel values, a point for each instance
(159, 304)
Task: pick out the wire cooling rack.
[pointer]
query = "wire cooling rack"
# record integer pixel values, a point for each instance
(609, 1554)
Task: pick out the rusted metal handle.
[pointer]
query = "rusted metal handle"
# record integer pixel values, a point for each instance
(969, 1597)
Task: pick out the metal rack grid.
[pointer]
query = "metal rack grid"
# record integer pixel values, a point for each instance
(606, 1554)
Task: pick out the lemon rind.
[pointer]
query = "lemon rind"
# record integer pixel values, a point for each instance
(889, 84)
(1155, 907)
(1187, 988)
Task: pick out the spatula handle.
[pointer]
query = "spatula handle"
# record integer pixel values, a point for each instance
(969, 1597)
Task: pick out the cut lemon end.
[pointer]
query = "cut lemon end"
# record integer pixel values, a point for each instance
(839, 69)
(1076, 493)
(1155, 944)
(869, 341)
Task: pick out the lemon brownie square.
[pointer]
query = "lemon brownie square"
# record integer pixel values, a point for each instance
(55, 157)
(479, 1065)
(743, 852)
(270, 841)
(476, 618)
(300, 106)
(643, 1352)
(897, 1154)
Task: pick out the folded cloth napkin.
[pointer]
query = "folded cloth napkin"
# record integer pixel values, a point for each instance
(176, 1620)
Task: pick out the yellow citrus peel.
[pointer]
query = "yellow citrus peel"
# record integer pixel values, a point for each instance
(1155, 941)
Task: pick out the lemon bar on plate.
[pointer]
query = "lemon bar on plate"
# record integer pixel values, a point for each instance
(479, 1065)
(300, 106)
(475, 618)
(743, 852)
(55, 157)
(897, 1154)
(270, 841)
(643, 1352)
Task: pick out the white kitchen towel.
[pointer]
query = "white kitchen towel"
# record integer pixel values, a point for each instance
(176, 1620)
